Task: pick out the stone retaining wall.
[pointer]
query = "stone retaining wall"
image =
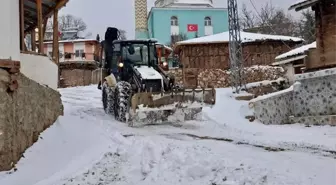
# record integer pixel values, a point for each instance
(274, 108)
(311, 101)
(24, 114)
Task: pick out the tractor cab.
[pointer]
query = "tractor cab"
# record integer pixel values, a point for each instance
(125, 54)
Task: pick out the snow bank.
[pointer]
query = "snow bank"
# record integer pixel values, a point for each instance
(88, 147)
(267, 96)
(265, 82)
(67, 147)
(245, 36)
(297, 51)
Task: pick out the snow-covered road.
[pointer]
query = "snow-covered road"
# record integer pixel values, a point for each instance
(87, 147)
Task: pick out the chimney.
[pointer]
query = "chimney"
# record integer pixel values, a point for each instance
(141, 28)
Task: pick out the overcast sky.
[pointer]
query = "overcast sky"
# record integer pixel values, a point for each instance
(99, 14)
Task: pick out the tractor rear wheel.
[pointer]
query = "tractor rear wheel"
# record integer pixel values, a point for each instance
(122, 95)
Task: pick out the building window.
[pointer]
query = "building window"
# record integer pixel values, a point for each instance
(79, 53)
(174, 21)
(67, 55)
(207, 21)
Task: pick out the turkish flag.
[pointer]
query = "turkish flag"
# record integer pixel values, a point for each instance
(192, 27)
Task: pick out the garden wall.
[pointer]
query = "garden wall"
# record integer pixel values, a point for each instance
(311, 101)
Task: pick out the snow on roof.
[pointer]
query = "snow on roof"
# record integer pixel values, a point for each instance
(245, 36)
(296, 51)
(72, 40)
(194, 1)
(302, 4)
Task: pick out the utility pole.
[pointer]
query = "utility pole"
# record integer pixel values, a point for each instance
(235, 48)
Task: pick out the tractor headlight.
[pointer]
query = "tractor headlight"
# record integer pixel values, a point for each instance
(165, 63)
(121, 64)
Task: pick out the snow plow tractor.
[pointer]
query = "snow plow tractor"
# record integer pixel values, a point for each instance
(136, 90)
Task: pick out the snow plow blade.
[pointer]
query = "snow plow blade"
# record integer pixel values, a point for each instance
(179, 105)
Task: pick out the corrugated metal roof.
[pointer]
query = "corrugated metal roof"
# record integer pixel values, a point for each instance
(30, 11)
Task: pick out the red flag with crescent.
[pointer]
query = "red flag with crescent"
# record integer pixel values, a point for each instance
(192, 27)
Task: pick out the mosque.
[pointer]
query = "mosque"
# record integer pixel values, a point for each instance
(187, 18)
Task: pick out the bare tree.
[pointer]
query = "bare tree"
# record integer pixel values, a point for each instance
(69, 21)
(66, 22)
(123, 34)
(177, 38)
(247, 18)
(268, 20)
(306, 25)
(276, 21)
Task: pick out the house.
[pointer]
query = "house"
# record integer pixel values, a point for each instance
(258, 49)
(29, 100)
(80, 50)
(324, 54)
(70, 33)
(212, 52)
(294, 61)
(170, 18)
(22, 41)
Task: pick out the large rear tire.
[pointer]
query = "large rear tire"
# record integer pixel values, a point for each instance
(122, 95)
(107, 98)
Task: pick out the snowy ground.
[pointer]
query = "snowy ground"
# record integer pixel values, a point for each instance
(87, 147)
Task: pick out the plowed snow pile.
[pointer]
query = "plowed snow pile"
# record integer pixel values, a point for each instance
(87, 147)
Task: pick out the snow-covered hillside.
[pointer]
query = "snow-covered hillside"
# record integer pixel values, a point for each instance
(87, 147)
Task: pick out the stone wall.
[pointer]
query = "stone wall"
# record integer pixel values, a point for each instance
(275, 108)
(315, 98)
(24, 114)
(220, 78)
(267, 86)
(77, 73)
(75, 77)
(311, 101)
(97, 75)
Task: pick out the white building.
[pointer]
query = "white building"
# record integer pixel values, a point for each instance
(13, 48)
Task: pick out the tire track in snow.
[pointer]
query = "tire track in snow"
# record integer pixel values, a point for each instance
(312, 150)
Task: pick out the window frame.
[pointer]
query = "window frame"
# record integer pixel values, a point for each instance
(207, 21)
(174, 21)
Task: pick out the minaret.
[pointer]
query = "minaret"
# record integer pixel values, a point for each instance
(141, 27)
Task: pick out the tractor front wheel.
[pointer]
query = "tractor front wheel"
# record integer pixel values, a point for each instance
(122, 95)
(107, 98)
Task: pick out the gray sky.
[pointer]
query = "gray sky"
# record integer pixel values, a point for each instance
(99, 14)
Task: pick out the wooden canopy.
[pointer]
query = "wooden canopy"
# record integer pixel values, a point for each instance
(34, 14)
(31, 11)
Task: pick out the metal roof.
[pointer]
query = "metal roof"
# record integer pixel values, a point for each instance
(30, 11)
